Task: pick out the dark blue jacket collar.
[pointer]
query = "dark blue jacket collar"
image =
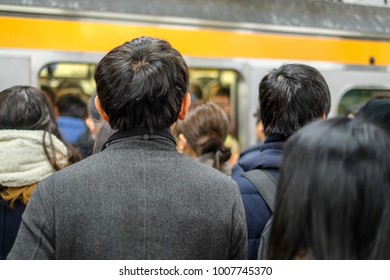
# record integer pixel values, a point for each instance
(270, 155)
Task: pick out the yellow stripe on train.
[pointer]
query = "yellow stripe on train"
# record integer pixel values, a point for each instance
(87, 36)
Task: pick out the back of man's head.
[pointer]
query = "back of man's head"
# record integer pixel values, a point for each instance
(142, 83)
(292, 96)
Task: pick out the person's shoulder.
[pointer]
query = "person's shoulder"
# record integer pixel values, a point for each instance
(78, 171)
(245, 185)
(246, 162)
(200, 169)
(251, 161)
(196, 171)
(252, 150)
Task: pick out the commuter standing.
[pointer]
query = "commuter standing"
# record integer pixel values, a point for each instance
(290, 97)
(202, 135)
(138, 198)
(31, 148)
(333, 197)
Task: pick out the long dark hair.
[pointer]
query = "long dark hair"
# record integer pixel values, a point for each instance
(333, 196)
(28, 108)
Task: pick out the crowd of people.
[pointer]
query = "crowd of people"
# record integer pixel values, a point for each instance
(146, 170)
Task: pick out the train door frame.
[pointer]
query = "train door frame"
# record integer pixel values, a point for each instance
(342, 80)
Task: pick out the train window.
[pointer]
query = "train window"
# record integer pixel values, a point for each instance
(355, 98)
(68, 78)
(210, 80)
(205, 83)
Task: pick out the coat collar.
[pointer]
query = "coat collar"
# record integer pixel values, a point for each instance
(144, 132)
(269, 156)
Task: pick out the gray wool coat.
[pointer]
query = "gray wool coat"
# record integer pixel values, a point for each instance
(137, 199)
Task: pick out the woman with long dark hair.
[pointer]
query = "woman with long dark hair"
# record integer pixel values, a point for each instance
(31, 148)
(333, 196)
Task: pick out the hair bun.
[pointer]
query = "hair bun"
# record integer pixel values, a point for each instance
(223, 154)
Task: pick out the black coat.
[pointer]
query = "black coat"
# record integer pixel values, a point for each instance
(10, 219)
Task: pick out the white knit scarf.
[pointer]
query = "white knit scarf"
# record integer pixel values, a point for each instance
(22, 157)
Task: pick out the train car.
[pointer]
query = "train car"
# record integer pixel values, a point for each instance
(57, 43)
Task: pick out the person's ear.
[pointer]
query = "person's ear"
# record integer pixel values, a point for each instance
(184, 107)
(99, 107)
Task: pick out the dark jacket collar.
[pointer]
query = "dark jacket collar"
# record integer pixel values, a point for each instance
(144, 132)
(274, 141)
(270, 154)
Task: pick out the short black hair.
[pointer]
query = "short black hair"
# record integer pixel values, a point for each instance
(292, 96)
(142, 83)
(376, 111)
(333, 195)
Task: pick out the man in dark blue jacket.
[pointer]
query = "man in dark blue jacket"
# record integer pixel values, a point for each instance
(290, 97)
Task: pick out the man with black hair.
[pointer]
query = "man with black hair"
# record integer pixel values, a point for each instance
(138, 198)
(290, 97)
